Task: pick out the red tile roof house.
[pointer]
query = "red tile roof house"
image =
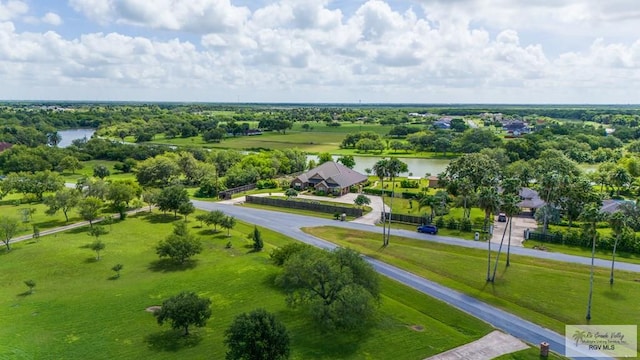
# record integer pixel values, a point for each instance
(330, 177)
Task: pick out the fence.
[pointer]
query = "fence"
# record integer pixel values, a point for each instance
(409, 219)
(548, 238)
(226, 194)
(305, 205)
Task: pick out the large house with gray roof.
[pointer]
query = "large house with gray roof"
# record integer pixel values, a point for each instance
(330, 177)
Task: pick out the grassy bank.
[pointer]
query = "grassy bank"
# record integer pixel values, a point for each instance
(549, 293)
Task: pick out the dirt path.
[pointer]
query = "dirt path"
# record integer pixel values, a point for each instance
(488, 347)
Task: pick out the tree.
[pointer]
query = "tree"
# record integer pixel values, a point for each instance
(117, 268)
(214, 217)
(362, 200)
(339, 288)
(291, 192)
(184, 310)
(30, 284)
(53, 138)
(256, 237)
(97, 246)
(151, 197)
(394, 168)
(157, 172)
(120, 194)
(489, 201)
(257, 335)
(64, 200)
(97, 231)
(618, 223)
(69, 163)
(8, 229)
(89, 208)
(186, 208)
(510, 208)
(101, 171)
(347, 160)
(592, 215)
(171, 198)
(324, 157)
(180, 245)
(380, 169)
(228, 222)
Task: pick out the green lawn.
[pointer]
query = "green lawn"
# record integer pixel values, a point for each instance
(79, 311)
(580, 251)
(87, 171)
(548, 293)
(12, 207)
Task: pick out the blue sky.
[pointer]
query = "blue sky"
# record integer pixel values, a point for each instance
(419, 51)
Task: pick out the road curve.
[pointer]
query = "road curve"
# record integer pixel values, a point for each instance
(290, 225)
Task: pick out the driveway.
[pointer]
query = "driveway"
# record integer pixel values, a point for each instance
(520, 224)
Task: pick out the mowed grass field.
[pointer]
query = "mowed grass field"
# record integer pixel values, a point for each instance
(546, 292)
(80, 311)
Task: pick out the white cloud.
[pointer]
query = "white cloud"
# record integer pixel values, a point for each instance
(198, 16)
(12, 8)
(51, 19)
(308, 50)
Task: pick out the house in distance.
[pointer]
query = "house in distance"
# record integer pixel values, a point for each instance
(329, 178)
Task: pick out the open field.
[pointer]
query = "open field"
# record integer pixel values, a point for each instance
(579, 251)
(12, 207)
(79, 310)
(548, 293)
(87, 171)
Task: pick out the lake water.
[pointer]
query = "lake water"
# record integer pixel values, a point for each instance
(67, 136)
(418, 167)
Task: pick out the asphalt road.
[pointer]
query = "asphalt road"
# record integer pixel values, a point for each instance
(290, 224)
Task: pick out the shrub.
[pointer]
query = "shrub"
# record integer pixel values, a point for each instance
(452, 223)
(440, 222)
(409, 184)
(465, 224)
(267, 184)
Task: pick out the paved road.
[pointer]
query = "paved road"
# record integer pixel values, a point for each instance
(290, 224)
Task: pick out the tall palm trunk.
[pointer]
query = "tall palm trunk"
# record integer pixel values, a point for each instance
(613, 258)
(393, 194)
(384, 214)
(593, 256)
(495, 267)
(486, 237)
(509, 243)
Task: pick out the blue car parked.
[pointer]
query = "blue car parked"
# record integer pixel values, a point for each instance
(428, 229)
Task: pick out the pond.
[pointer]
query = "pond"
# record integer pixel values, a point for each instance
(67, 136)
(418, 167)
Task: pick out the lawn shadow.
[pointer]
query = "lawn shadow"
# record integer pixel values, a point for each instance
(160, 218)
(208, 232)
(114, 277)
(172, 340)
(78, 230)
(613, 295)
(168, 265)
(91, 260)
(25, 294)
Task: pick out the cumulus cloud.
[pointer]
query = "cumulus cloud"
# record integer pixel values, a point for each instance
(12, 8)
(51, 19)
(198, 16)
(463, 50)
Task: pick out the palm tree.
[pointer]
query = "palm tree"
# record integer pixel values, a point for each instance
(618, 222)
(394, 168)
(489, 201)
(380, 169)
(510, 208)
(430, 201)
(592, 215)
